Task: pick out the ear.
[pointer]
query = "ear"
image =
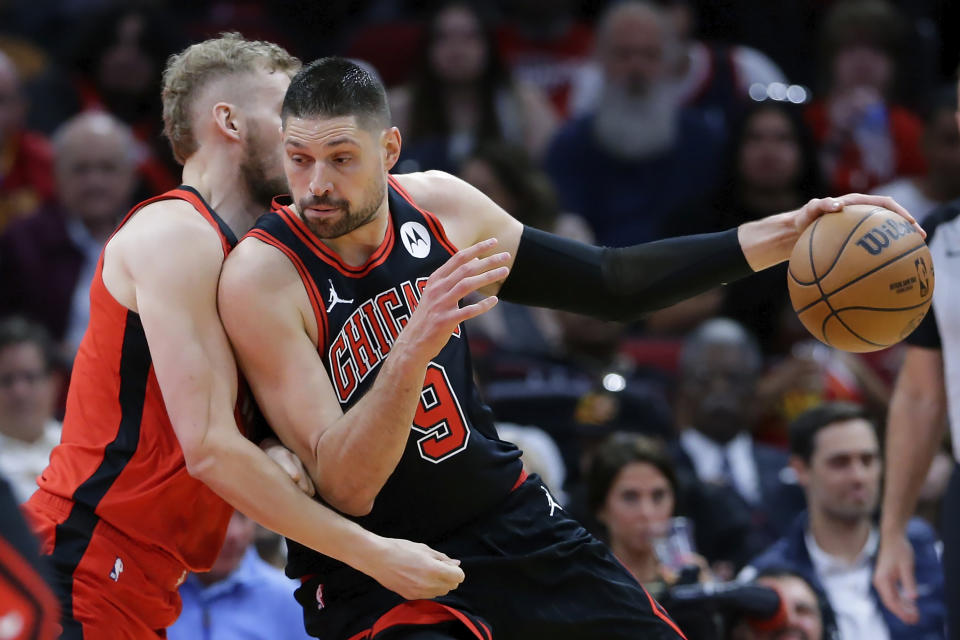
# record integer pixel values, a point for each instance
(391, 147)
(802, 470)
(225, 118)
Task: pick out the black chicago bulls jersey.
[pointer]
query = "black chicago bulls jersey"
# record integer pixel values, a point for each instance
(454, 468)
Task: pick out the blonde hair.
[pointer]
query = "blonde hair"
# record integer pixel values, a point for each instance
(189, 71)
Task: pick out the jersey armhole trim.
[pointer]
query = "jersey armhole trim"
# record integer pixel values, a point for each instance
(432, 221)
(313, 294)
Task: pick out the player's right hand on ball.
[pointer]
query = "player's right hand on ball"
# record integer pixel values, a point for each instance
(415, 571)
(439, 311)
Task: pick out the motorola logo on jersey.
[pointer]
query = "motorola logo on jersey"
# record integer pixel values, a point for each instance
(415, 238)
(368, 333)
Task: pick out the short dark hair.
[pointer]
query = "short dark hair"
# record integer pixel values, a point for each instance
(333, 87)
(804, 429)
(616, 452)
(18, 330)
(828, 619)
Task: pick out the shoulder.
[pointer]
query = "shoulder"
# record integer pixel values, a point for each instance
(47, 226)
(941, 216)
(256, 265)
(920, 533)
(442, 194)
(770, 455)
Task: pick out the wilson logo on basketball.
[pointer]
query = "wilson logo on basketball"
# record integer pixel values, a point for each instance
(880, 237)
(369, 332)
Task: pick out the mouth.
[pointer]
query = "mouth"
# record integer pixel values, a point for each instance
(321, 212)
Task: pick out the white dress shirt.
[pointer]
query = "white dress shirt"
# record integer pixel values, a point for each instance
(21, 462)
(708, 461)
(848, 589)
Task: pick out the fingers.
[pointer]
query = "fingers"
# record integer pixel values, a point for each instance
(887, 203)
(464, 256)
(896, 586)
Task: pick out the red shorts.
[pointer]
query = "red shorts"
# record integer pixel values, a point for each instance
(109, 585)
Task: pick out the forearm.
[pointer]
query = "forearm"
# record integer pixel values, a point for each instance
(240, 473)
(356, 455)
(914, 431)
(620, 284)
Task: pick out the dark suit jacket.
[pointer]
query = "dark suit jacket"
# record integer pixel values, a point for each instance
(39, 266)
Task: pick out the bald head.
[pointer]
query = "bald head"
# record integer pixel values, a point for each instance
(634, 42)
(12, 107)
(94, 156)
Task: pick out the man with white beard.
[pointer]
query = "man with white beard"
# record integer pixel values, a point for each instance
(637, 156)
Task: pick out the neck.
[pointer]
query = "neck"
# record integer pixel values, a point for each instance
(218, 180)
(643, 565)
(768, 201)
(24, 433)
(840, 538)
(208, 578)
(100, 230)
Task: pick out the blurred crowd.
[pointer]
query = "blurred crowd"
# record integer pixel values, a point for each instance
(717, 423)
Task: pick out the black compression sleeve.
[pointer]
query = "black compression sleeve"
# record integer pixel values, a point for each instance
(620, 284)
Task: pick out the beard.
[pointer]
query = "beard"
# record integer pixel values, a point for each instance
(349, 218)
(262, 181)
(635, 124)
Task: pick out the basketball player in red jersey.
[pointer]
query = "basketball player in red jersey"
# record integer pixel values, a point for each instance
(152, 462)
(360, 362)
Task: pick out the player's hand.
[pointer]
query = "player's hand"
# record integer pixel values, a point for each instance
(805, 216)
(439, 312)
(414, 570)
(894, 577)
(290, 463)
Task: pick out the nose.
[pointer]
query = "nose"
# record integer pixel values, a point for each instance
(320, 184)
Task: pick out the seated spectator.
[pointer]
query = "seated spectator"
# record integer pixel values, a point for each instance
(507, 176)
(807, 616)
(28, 394)
(711, 78)
(770, 165)
(118, 57)
(626, 165)
(719, 366)
(241, 597)
(462, 95)
(26, 161)
(865, 139)
(940, 145)
(541, 455)
(546, 45)
(836, 455)
(48, 260)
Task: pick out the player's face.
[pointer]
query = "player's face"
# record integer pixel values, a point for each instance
(803, 610)
(336, 170)
(843, 478)
(638, 507)
(262, 164)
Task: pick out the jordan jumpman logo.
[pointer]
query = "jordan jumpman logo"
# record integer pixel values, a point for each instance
(334, 298)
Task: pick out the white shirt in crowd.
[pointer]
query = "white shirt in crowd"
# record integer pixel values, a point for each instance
(21, 462)
(848, 590)
(906, 192)
(708, 462)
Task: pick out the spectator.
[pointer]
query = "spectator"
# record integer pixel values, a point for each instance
(634, 159)
(28, 393)
(506, 174)
(714, 79)
(941, 150)
(864, 139)
(26, 162)
(118, 57)
(807, 615)
(47, 261)
(770, 165)
(836, 454)
(719, 366)
(463, 95)
(241, 597)
(546, 45)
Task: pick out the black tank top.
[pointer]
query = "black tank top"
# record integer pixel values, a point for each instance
(454, 467)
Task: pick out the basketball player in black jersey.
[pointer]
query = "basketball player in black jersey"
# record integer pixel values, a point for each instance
(345, 316)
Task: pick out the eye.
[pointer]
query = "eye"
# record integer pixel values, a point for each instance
(342, 160)
(298, 159)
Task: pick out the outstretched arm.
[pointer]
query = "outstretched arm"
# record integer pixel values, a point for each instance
(350, 455)
(624, 283)
(175, 297)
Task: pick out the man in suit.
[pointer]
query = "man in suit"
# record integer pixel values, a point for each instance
(719, 366)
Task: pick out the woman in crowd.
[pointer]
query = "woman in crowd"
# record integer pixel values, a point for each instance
(463, 94)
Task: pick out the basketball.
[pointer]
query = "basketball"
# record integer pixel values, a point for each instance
(860, 279)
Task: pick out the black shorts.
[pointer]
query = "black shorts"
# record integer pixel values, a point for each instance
(531, 572)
